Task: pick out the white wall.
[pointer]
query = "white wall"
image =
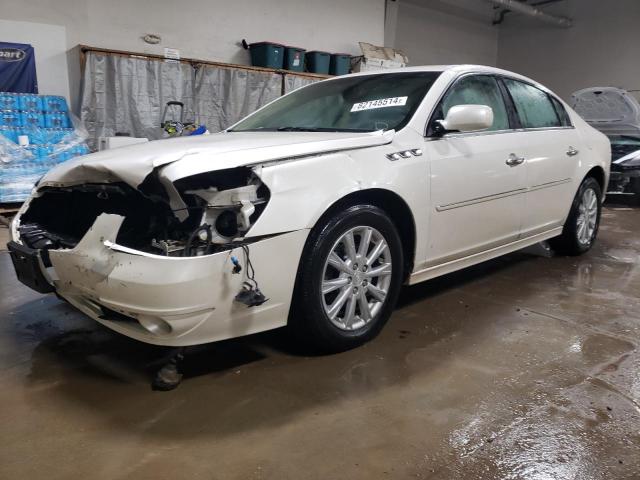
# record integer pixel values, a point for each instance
(601, 49)
(209, 29)
(204, 29)
(437, 32)
(50, 45)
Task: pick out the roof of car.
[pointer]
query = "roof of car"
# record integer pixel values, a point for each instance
(463, 68)
(442, 68)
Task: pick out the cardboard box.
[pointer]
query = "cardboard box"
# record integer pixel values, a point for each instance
(378, 58)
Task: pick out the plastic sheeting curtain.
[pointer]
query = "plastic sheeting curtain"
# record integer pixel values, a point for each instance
(128, 94)
(225, 95)
(293, 82)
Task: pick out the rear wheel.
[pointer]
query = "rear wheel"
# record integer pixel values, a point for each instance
(581, 227)
(349, 280)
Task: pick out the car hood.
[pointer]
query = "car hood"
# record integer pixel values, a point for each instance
(611, 110)
(204, 153)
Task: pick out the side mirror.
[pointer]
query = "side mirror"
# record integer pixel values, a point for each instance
(466, 118)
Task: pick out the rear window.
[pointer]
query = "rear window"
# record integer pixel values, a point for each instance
(562, 112)
(534, 107)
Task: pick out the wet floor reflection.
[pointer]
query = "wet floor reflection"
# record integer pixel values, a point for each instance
(525, 367)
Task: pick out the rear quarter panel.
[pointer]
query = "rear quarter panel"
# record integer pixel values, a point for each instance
(596, 149)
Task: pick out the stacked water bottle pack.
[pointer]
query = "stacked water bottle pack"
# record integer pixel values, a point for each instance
(36, 134)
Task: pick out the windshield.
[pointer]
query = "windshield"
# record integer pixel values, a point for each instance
(349, 104)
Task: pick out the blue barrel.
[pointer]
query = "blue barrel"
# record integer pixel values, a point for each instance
(53, 103)
(9, 101)
(30, 102)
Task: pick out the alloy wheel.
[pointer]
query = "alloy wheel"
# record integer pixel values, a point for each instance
(587, 216)
(356, 278)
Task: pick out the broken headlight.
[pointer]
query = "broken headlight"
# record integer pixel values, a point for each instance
(223, 205)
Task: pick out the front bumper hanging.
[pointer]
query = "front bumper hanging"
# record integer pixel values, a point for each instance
(172, 301)
(29, 267)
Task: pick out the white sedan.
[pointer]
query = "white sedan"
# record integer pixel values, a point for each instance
(313, 211)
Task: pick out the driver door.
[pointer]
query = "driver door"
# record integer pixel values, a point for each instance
(477, 190)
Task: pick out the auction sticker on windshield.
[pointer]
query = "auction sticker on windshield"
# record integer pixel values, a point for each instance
(380, 103)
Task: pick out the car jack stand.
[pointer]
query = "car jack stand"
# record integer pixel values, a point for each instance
(170, 375)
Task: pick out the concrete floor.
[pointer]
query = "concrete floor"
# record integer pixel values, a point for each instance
(522, 368)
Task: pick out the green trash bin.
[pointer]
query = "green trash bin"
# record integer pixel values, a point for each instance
(318, 62)
(340, 64)
(266, 54)
(294, 59)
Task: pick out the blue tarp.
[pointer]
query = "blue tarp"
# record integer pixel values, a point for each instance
(17, 68)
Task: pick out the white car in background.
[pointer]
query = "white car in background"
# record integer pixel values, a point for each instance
(314, 210)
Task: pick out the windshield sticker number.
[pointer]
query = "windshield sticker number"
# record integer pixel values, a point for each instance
(380, 103)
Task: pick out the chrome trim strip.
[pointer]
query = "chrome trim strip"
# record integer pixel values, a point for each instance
(544, 129)
(549, 184)
(474, 134)
(496, 196)
(495, 132)
(473, 201)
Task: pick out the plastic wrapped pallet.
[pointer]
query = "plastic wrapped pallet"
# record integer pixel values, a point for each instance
(36, 134)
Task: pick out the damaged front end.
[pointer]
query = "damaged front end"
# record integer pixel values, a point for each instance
(169, 264)
(215, 211)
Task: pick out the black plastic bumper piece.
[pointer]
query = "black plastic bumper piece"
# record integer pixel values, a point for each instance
(26, 262)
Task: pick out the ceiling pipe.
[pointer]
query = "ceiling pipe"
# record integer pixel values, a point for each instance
(531, 11)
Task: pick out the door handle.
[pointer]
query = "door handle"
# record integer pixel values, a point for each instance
(514, 160)
(572, 152)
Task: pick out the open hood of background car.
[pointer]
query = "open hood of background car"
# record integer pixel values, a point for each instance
(204, 153)
(611, 110)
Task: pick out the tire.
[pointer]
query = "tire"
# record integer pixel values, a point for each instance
(635, 189)
(576, 239)
(337, 319)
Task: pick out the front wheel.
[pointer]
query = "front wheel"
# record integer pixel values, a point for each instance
(349, 280)
(581, 227)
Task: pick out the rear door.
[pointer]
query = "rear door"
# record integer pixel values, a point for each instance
(477, 192)
(552, 148)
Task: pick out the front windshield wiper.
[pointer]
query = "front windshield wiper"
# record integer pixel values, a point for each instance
(321, 129)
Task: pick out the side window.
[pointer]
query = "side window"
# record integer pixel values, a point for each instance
(562, 112)
(534, 107)
(477, 90)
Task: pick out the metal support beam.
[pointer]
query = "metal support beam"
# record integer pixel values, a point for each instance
(520, 7)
